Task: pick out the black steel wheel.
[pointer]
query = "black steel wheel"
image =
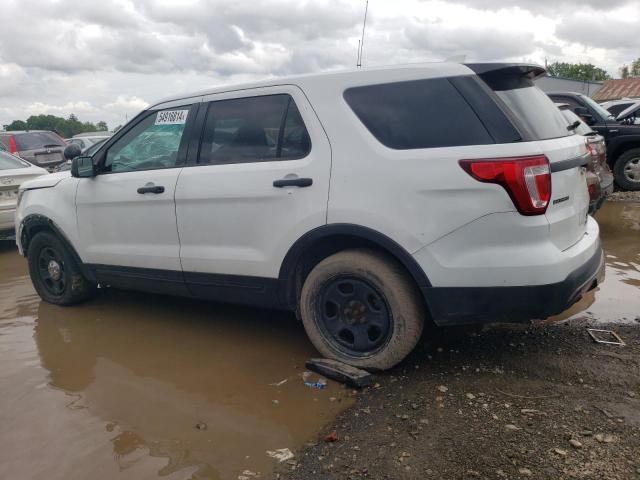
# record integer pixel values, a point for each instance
(355, 315)
(361, 307)
(55, 273)
(51, 271)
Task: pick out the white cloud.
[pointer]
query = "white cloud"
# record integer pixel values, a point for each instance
(107, 60)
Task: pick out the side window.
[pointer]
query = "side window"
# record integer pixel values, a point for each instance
(254, 129)
(153, 143)
(417, 114)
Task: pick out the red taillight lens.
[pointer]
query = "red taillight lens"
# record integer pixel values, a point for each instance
(527, 180)
(12, 144)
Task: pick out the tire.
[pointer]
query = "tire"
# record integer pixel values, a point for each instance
(347, 323)
(626, 170)
(60, 282)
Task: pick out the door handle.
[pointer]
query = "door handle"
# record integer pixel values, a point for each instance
(293, 182)
(151, 189)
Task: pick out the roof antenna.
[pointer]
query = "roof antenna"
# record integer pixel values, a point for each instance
(361, 42)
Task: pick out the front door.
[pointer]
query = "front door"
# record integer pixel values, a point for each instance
(259, 182)
(126, 213)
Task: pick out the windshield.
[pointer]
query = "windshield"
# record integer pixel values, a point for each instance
(603, 112)
(9, 162)
(94, 148)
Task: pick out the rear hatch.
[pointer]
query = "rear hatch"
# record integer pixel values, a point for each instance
(44, 149)
(545, 129)
(13, 173)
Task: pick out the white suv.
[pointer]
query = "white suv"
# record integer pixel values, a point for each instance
(367, 201)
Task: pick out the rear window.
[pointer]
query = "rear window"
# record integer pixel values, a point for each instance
(37, 140)
(9, 162)
(535, 112)
(417, 114)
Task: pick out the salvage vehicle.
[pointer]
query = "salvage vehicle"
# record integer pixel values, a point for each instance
(13, 172)
(39, 147)
(599, 175)
(370, 202)
(621, 136)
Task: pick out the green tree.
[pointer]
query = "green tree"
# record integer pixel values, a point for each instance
(635, 68)
(64, 127)
(17, 125)
(577, 71)
(101, 126)
(624, 71)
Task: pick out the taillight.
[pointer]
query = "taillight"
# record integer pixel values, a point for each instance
(527, 180)
(12, 144)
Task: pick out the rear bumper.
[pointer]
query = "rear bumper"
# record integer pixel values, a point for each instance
(469, 305)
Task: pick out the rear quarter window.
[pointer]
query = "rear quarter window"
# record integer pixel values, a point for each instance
(535, 112)
(417, 114)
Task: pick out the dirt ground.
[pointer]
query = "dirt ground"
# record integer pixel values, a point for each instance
(541, 401)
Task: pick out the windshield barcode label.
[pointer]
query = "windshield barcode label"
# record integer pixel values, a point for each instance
(172, 117)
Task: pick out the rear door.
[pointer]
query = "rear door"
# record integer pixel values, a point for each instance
(259, 181)
(546, 128)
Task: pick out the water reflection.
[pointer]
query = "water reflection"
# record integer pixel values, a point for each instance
(115, 388)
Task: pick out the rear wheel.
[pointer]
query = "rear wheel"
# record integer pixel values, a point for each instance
(627, 170)
(360, 307)
(55, 274)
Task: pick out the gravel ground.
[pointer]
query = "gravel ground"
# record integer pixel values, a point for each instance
(541, 401)
(621, 196)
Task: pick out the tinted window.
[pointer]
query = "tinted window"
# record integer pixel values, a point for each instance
(153, 143)
(9, 162)
(536, 112)
(254, 129)
(417, 114)
(617, 109)
(37, 140)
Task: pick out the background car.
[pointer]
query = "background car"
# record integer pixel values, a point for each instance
(615, 107)
(622, 137)
(13, 172)
(86, 140)
(599, 175)
(39, 147)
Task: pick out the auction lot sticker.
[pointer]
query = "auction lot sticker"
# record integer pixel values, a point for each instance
(172, 117)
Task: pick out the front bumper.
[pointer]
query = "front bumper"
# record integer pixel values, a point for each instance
(469, 305)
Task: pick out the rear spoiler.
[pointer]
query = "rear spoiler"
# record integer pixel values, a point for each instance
(507, 76)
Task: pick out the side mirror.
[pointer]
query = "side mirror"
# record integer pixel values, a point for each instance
(82, 167)
(585, 115)
(72, 151)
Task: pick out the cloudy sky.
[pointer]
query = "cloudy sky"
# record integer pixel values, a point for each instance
(104, 60)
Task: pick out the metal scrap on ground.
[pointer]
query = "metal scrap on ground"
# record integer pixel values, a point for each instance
(610, 337)
(340, 372)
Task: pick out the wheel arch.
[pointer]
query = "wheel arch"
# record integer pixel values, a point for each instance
(318, 244)
(621, 146)
(34, 224)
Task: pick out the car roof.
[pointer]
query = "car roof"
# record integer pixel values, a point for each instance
(348, 77)
(13, 132)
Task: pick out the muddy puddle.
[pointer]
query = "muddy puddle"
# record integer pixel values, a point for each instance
(617, 299)
(115, 389)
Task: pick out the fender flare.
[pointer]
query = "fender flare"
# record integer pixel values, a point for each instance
(288, 270)
(34, 223)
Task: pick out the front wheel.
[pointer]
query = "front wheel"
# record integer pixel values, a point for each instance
(55, 274)
(362, 308)
(626, 170)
